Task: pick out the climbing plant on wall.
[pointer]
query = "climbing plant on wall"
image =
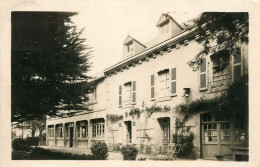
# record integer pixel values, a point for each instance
(114, 118)
(146, 112)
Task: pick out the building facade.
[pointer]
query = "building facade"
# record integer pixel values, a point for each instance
(154, 74)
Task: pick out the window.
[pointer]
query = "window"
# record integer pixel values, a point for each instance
(92, 95)
(130, 49)
(51, 132)
(98, 128)
(67, 130)
(165, 28)
(59, 132)
(84, 131)
(164, 83)
(222, 78)
(210, 132)
(127, 93)
(225, 131)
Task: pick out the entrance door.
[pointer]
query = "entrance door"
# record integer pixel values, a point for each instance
(71, 136)
(128, 131)
(216, 136)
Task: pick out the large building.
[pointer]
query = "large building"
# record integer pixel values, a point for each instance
(154, 75)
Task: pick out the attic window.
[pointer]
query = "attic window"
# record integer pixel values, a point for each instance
(164, 27)
(129, 46)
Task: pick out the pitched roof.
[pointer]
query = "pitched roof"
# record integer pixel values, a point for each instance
(164, 17)
(129, 39)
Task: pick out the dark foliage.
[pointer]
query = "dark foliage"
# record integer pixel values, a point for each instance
(221, 33)
(99, 151)
(114, 118)
(129, 152)
(43, 154)
(187, 147)
(20, 145)
(32, 141)
(234, 100)
(48, 65)
(135, 111)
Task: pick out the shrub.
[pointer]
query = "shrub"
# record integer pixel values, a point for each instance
(20, 145)
(99, 151)
(129, 152)
(187, 149)
(32, 141)
(43, 154)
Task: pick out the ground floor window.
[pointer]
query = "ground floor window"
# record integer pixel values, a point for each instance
(51, 132)
(59, 132)
(82, 129)
(98, 128)
(210, 132)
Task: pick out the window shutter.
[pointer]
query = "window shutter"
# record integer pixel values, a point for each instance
(120, 95)
(236, 67)
(134, 92)
(203, 74)
(152, 87)
(173, 81)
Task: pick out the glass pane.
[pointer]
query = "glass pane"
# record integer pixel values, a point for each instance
(214, 138)
(205, 126)
(214, 133)
(210, 138)
(214, 126)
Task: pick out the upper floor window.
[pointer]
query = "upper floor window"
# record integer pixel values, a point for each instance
(127, 93)
(221, 78)
(164, 83)
(92, 95)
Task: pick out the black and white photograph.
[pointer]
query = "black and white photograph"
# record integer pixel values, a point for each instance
(126, 81)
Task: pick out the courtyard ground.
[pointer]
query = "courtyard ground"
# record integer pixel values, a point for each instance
(111, 155)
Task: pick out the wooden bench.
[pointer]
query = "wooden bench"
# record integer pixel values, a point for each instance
(220, 157)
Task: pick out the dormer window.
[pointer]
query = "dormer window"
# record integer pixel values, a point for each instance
(164, 28)
(130, 47)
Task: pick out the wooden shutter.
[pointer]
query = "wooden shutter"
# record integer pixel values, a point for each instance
(134, 91)
(173, 81)
(203, 74)
(120, 95)
(237, 67)
(152, 87)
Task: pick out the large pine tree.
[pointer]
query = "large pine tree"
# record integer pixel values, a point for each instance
(49, 63)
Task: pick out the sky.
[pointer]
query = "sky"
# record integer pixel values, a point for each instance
(108, 24)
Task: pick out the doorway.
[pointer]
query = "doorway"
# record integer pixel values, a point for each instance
(71, 136)
(128, 131)
(216, 135)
